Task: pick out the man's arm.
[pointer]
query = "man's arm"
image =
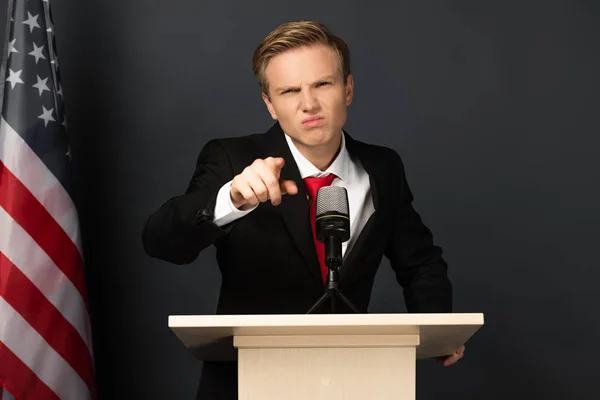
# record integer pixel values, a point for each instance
(183, 226)
(418, 263)
(186, 224)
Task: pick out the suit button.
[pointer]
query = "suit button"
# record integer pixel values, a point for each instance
(203, 215)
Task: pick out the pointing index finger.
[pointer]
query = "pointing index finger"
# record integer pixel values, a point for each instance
(275, 163)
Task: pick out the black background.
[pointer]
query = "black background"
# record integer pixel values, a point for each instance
(493, 106)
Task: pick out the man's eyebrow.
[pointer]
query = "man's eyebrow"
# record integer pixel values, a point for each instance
(324, 78)
(284, 88)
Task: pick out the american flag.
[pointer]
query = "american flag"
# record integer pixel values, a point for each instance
(45, 340)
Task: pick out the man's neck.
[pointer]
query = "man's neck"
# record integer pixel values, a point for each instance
(321, 157)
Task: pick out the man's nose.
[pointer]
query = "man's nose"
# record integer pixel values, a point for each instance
(309, 100)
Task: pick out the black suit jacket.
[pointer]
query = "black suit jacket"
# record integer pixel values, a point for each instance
(267, 258)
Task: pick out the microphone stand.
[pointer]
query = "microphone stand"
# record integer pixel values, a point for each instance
(333, 261)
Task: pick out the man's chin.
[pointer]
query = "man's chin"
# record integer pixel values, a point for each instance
(308, 141)
(317, 135)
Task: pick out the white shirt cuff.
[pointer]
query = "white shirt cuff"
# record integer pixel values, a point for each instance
(225, 211)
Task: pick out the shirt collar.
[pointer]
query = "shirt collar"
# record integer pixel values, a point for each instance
(339, 166)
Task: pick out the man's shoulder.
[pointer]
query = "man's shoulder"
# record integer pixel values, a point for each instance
(384, 154)
(239, 150)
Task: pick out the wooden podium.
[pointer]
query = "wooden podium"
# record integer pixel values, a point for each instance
(325, 356)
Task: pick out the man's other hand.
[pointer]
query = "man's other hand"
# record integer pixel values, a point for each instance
(454, 357)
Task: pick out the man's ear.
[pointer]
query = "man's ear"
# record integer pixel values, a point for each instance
(349, 89)
(269, 106)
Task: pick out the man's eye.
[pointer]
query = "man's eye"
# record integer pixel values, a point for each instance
(322, 83)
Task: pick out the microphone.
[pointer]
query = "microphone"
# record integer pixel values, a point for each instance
(332, 222)
(332, 227)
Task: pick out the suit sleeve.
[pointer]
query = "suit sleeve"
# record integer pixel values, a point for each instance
(417, 262)
(183, 226)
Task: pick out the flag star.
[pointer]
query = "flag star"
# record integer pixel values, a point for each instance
(64, 123)
(31, 21)
(59, 92)
(11, 47)
(68, 153)
(14, 77)
(41, 85)
(47, 116)
(37, 53)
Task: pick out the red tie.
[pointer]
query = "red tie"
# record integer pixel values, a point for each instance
(312, 186)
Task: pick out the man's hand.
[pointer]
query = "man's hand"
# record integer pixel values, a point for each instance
(260, 182)
(453, 358)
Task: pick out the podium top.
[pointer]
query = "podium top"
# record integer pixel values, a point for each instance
(210, 337)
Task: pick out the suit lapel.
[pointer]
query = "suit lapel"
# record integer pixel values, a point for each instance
(376, 171)
(294, 209)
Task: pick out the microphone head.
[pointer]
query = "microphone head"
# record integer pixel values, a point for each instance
(332, 213)
(332, 199)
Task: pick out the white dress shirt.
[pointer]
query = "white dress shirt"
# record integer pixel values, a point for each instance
(350, 174)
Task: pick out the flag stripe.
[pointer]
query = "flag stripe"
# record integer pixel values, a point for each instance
(4, 393)
(27, 211)
(27, 167)
(27, 300)
(7, 396)
(39, 357)
(34, 263)
(24, 382)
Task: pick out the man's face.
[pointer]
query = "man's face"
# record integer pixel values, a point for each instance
(308, 95)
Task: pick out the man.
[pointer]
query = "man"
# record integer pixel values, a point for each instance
(251, 197)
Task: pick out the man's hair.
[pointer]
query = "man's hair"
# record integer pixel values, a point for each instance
(294, 35)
